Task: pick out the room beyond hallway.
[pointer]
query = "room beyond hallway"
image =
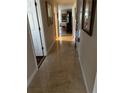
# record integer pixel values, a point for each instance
(60, 71)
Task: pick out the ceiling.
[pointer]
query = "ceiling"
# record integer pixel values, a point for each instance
(66, 2)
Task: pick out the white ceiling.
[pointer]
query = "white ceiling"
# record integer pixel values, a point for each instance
(66, 2)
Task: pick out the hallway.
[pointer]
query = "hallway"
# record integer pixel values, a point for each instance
(60, 71)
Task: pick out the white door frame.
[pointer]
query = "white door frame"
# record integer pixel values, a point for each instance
(39, 12)
(29, 32)
(40, 25)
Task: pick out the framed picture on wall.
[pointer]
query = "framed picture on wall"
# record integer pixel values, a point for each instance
(49, 13)
(88, 15)
(64, 17)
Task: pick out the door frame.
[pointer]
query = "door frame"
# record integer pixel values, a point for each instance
(30, 35)
(39, 15)
(40, 29)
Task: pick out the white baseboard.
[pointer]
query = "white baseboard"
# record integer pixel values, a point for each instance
(84, 77)
(95, 85)
(31, 77)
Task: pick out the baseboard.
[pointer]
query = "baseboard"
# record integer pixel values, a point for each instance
(31, 77)
(95, 85)
(50, 47)
(84, 77)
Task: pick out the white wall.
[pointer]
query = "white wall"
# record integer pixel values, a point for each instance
(88, 54)
(31, 59)
(78, 22)
(74, 19)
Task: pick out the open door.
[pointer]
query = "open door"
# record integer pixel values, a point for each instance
(35, 30)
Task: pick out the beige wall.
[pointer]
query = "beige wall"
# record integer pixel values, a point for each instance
(31, 61)
(56, 18)
(49, 31)
(74, 17)
(88, 56)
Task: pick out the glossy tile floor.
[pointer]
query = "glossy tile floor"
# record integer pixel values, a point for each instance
(60, 71)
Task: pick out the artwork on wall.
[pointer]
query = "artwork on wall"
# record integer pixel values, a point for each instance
(88, 15)
(64, 17)
(49, 13)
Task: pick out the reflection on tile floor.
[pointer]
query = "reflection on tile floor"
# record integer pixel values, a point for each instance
(60, 71)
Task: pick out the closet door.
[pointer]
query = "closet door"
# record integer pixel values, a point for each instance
(33, 21)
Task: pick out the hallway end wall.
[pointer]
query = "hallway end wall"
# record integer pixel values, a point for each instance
(65, 7)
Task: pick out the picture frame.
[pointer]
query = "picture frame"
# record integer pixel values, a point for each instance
(49, 13)
(64, 17)
(89, 7)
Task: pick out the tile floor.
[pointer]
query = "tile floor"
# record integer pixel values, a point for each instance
(60, 71)
(63, 31)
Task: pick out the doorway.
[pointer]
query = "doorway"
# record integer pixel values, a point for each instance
(35, 31)
(65, 25)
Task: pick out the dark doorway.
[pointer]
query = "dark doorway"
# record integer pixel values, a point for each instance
(69, 22)
(66, 22)
(40, 60)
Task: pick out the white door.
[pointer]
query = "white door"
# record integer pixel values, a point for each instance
(33, 21)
